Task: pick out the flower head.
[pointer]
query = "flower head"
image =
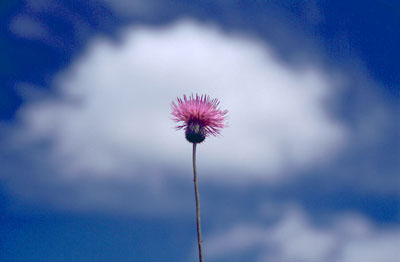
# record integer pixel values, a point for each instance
(200, 117)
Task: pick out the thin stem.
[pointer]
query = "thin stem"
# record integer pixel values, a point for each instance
(196, 190)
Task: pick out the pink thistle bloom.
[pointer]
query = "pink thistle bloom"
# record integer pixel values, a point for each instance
(200, 117)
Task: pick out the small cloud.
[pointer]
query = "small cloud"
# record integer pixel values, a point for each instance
(135, 7)
(28, 27)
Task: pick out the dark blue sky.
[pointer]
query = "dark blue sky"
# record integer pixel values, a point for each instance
(41, 39)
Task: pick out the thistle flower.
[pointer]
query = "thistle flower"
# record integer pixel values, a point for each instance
(200, 116)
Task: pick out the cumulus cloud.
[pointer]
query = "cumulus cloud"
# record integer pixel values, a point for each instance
(112, 106)
(294, 237)
(104, 135)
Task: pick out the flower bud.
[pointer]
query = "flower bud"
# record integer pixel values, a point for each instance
(195, 133)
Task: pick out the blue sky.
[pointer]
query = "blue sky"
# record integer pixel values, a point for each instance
(92, 169)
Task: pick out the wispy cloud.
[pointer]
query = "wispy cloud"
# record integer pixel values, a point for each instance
(27, 27)
(296, 237)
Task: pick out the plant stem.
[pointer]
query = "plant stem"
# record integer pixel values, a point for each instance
(196, 190)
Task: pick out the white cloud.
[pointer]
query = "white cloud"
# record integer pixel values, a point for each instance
(295, 238)
(113, 105)
(105, 136)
